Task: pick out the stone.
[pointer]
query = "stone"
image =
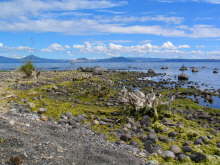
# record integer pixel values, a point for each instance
(198, 141)
(12, 122)
(152, 162)
(133, 143)
(151, 146)
(168, 155)
(172, 134)
(42, 110)
(198, 157)
(146, 121)
(181, 157)
(125, 137)
(69, 115)
(62, 122)
(128, 126)
(175, 149)
(187, 149)
(43, 118)
(72, 123)
(152, 137)
(183, 77)
(31, 105)
(164, 139)
(96, 122)
(218, 144)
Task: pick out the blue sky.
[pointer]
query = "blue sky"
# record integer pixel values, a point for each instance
(71, 29)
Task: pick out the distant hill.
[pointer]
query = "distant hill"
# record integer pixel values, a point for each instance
(31, 58)
(115, 59)
(36, 59)
(8, 60)
(140, 59)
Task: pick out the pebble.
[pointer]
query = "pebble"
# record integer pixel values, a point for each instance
(168, 155)
(43, 118)
(12, 122)
(187, 149)
(172, 134)
(152, 162)
(175, 149)
(198, 141)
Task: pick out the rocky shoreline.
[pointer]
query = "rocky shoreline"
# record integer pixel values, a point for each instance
(83, 117)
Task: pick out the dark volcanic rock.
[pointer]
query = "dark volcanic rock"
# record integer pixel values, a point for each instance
(198, 157)
(151, 147)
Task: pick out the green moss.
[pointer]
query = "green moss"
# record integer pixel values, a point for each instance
(190, 91)
(2, 140)
(186, 103)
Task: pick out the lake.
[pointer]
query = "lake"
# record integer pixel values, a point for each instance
(204, 76)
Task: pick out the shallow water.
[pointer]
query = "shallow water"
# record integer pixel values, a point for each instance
(203, 102)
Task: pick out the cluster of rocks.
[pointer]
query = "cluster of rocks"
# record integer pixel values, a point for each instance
(95, 70)
(64, 142)
(184, 153)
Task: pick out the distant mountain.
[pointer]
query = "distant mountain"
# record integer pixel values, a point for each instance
(8, 60)
(140, 59)
(31, 58)
(80, 60)
(36, 59)
(115, 59)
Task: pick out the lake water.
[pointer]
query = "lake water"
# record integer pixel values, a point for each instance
(204, 76)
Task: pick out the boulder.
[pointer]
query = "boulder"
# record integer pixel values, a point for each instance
(183, 68)
(198, 157)
(183, 77)
(151, 71)
(164, 67)
(215, 71)
(194, 69)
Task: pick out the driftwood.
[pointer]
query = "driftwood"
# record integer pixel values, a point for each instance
(138, 100)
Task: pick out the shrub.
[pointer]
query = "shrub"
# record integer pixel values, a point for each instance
(27, 69)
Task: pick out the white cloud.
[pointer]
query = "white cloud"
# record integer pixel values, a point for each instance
(55, 47)
(184, 46)
(127, 19)
(199, 1)
(39, 16)
(1, 45)
(141, 49)
(17, 8)
(24, 48)
(168, 45)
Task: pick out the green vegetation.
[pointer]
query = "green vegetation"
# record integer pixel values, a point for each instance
(88, 96)
(2, 140)
(27, 69)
